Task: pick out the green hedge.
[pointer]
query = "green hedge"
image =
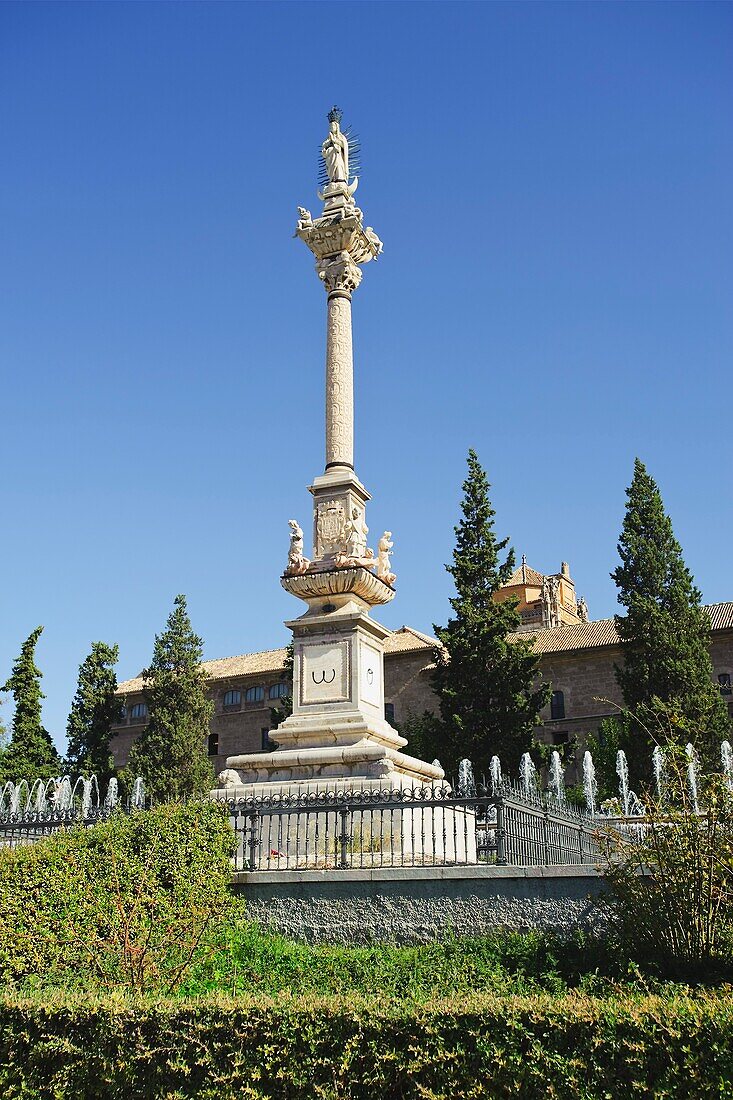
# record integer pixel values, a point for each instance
(541, 1046)
(133, 901)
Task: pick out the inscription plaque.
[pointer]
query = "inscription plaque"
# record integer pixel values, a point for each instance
(324, 673)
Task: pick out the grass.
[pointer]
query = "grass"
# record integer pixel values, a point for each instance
(257, 960)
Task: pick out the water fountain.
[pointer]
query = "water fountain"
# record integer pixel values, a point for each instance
(658, 768)
(590, 783)
(726, 759)
(495, 773)
(630, 804)
(466, 781)
(557, 777)
(692, 765)
(137, 799)
(528, 775)
(59, 796)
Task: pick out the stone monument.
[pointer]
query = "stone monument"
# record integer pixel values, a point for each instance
(337, 733)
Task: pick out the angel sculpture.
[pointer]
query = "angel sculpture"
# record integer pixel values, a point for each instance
(297, 563)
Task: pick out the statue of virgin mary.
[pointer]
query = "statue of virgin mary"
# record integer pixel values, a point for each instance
(335, 150)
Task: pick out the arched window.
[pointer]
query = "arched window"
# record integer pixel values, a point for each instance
(557, 704)
(138, 712)
(254, 695)
(724, 683)
(213, 744)
(232, 699)
(278, 691)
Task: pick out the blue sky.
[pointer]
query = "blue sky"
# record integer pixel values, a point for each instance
(552, 184)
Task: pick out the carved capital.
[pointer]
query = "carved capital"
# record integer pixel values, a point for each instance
(339, 273)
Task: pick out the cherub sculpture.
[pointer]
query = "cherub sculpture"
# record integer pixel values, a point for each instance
(229, 778)
(297, 563)
(305, 221)
(384, 550)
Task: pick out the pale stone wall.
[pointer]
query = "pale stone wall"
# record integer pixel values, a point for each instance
(417, 905)
(407, 684)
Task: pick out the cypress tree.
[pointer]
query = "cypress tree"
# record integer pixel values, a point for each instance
(665, 633)
(489, 699)
(31, 753)
(94, 710)
(171, 753)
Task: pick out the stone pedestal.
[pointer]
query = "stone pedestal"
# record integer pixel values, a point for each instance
(337, 731)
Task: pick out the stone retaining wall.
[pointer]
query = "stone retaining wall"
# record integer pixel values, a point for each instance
(416, 904)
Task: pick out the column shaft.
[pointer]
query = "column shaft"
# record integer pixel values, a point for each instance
(339, 382)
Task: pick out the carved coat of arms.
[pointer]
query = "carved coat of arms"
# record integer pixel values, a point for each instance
(331, 528)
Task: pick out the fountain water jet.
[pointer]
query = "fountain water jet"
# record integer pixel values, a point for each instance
(557, 776)
(528, 774)
(590, 783)
(466, 781)
(495, 774)
(630, 804)
(726, 759)
(692, 764)
(137, 799)
(658, 767)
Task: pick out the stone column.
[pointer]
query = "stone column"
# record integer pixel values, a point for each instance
(341, 276)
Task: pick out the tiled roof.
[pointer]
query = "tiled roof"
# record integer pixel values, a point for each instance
(525, 574)
(272, 661)
(564, 639)
(558, 639)
(721, 616)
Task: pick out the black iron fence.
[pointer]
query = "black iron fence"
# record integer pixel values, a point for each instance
(28, 826)
(408, 827)
(370, 828)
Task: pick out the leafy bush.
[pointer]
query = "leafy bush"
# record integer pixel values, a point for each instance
(353, 1048)
(133, 901)
(671, 878)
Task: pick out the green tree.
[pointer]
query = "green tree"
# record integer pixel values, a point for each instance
(489, 699)
(94, 711)
(665, 633)
(31, 753)
(171, 753)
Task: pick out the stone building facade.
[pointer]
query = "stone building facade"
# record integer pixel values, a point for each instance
(576, 658)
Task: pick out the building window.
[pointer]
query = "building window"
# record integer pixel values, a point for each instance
(123, 714)
(557, 704)
(561, 737)
(724, 683)
(213, 744)
(267, 744)
(389, 712)
(138, 712)
(232, 699)
(254, 695)
(278, 691)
